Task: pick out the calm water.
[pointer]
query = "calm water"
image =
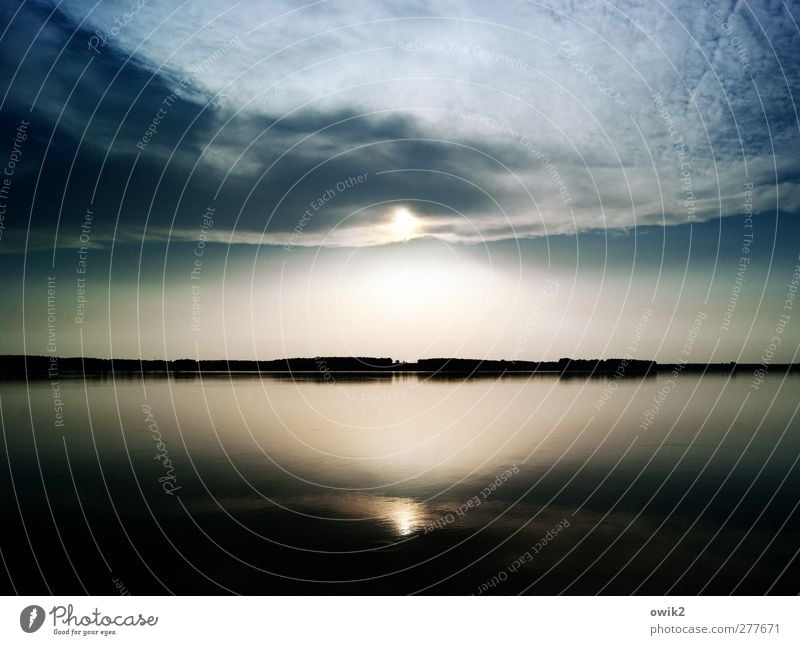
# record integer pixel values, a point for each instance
(401, 485)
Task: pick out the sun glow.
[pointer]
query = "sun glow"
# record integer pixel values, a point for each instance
(405, 225)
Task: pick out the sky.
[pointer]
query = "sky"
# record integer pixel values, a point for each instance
(523, 180)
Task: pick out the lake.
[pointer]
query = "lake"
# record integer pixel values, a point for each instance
(401, 484)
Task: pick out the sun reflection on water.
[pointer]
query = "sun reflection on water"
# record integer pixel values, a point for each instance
(405, 515)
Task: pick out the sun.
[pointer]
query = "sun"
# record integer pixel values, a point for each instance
(405, 225)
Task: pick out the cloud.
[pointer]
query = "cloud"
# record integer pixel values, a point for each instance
(491, 122)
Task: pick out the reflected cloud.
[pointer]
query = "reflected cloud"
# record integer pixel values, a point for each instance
(397, 516)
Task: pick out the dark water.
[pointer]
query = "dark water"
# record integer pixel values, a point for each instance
(364, 485)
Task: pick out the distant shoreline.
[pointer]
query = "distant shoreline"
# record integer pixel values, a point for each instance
(36, 366)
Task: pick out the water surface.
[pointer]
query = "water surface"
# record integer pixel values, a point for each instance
(404, 484)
